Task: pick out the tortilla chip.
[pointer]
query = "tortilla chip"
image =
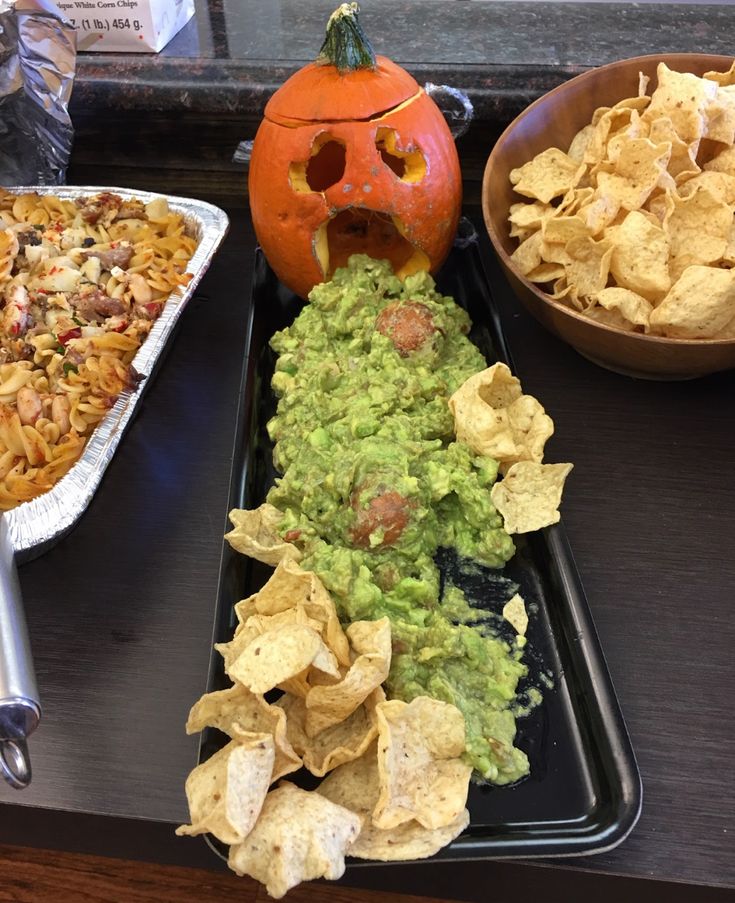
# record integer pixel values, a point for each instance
(682, 161)
(527, 256)
(562, 229)
(722, 78)
(707, 151)
(698, 230)
(637, 103)
(723, 162)
(549, 175)
(276, 656)
(290, 589)
(493, 417)
(260, 624)
(634, 309)
(529, 495)
(238, 708)
(560, 289)
(573, 200)
(514, 612)
(552, 254)
(299, 836)
(244, 636)
(588, 271)
(661, 206)
(320, 607)
(699, 306)
(256, 534)
(728, 332)
(422, 776)
(640, 257)
(256, 625)
(337, 744)
(719, 184)
(599, 213)
(371, 645)
(596, 149)
(598, 114)
(618, 140)
(546, 272)
(720, 118)
(580, 143)
(521, 234)
(728, 255)
(356, 787)
(529, 216)
(683, 97)
(636, 172)
(226, 793)
(287, 586)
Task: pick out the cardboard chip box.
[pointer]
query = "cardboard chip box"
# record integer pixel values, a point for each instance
(126, 26)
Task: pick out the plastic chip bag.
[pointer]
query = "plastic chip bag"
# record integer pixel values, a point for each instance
(37, 66)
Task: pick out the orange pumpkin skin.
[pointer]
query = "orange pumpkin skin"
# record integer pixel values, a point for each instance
(352, 157)
(319, 93)
(287, 221)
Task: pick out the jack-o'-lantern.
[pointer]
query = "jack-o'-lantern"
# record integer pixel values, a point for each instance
(352, 157)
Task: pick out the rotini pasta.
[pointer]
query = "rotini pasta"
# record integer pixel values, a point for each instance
(81, 284)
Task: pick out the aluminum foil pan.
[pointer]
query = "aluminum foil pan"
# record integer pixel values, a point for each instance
(36, 525)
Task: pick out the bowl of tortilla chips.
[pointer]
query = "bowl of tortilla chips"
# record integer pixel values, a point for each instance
(610, 204)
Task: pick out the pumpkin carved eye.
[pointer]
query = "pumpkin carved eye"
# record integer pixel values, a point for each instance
(409, 166)
(324, 168)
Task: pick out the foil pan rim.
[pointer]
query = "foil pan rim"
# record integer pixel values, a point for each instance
(36, 525)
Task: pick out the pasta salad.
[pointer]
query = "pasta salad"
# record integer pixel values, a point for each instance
(82, 282)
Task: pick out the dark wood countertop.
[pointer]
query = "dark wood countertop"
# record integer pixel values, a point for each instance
(121, 610)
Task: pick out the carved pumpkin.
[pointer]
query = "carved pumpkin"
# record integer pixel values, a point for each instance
(352, 157)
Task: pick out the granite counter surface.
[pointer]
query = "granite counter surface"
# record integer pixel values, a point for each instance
(234, 53)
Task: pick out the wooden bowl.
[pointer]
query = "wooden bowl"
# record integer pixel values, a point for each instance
(552, 121)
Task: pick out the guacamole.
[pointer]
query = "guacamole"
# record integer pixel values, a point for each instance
(373, 484)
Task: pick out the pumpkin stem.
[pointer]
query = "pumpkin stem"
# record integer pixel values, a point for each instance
(346, 46)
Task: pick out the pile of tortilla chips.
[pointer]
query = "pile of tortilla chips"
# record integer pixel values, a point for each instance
(396, 784)
(634, 225)
(307, 693)
(493, 417)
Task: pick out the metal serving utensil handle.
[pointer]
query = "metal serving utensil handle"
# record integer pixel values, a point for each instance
(20, 708)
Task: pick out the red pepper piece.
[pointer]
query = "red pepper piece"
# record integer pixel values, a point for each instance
(70, 334)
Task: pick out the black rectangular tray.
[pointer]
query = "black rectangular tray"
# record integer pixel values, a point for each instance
(583, 794)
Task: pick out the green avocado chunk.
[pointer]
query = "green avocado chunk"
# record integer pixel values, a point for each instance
(373, 483)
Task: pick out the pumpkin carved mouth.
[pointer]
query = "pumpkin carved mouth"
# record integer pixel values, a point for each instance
(371, 232)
